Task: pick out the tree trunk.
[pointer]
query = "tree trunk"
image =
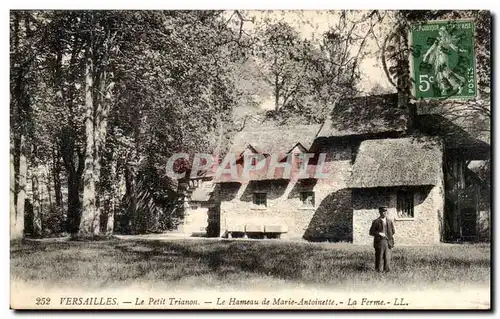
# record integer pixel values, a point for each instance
(73, 216)
(131, 197)
(13, 215)
(21, 193)
(110, 223)
(99, 137)
(67, 148)
(56, 176)
(89, 224)
(17, 106)
(47, 188)
(36, 201)
(13, 150)
(101, 126)
(96, 129)
(276, 93)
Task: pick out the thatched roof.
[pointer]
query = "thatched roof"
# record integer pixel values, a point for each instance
(365, 115)
(454, 136)
(397, 162)
(274, 141)
(263, 173)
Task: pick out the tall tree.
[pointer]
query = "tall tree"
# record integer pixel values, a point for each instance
(23, 60)
(118, 93)
(280, 51)
(309, 76)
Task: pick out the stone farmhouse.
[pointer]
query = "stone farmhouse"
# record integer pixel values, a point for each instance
(376, 154)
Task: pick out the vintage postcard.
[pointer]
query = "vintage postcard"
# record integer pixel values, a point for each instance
(238, 159)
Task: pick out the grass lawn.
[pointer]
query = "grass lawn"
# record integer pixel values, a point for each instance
(238, 263)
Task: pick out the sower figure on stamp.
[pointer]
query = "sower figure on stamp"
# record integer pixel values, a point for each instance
(382, 230)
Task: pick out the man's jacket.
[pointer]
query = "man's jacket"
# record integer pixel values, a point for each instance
(378, 227)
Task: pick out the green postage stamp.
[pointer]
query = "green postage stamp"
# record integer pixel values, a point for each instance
(443, 59)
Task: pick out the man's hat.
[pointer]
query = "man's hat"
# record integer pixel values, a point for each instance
(382, 208)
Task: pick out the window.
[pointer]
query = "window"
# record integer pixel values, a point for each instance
(254, 159)
(405, 204)
(260, 199)
(307, 199)
(298, 160)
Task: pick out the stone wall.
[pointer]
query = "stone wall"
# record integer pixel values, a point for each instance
(195, 221)
(329, 219)
(424, 229)
(197, 214)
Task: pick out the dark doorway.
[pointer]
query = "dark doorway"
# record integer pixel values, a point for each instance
(213, 229)
(468, 225)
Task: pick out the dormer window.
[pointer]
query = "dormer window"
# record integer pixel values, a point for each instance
(298, 160)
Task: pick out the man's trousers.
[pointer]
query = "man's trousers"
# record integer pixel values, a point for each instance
(382, 256)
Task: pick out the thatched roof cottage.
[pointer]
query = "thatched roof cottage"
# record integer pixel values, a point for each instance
(406, 175)
(371, 159)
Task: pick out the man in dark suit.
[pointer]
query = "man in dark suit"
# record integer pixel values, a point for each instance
(382, 231)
